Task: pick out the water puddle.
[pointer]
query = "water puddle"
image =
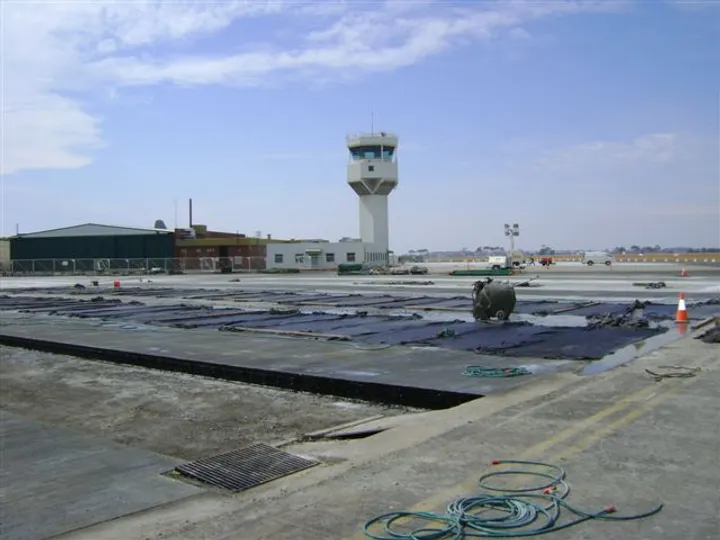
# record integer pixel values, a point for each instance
(631, 352)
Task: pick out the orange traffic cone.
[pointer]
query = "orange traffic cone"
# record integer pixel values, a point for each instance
(683, 273)
(682, 315)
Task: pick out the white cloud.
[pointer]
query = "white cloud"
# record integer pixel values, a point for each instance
(655, 148)
(54, 54)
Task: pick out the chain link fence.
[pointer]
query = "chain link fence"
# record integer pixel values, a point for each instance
(126, 267)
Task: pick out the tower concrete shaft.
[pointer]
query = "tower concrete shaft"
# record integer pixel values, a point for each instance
(373, 174)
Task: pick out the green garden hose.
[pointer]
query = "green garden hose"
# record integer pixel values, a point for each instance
(506, 513)
(482, 371)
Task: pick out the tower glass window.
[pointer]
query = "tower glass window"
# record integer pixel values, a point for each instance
(372, 152)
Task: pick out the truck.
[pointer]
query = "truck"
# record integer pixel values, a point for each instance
(597, 257)
(516, 259)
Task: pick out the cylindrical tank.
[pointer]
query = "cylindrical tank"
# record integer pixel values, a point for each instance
(493, 300)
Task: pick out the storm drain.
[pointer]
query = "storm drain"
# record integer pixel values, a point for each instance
(245, 468)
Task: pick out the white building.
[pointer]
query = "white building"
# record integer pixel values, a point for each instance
(372, 173)
(316, 254)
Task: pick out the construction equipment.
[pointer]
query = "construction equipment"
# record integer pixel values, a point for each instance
(492, 299)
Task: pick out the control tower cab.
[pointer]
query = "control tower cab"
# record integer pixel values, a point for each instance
(372, 173)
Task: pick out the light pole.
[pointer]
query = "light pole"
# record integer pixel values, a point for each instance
(512, 232)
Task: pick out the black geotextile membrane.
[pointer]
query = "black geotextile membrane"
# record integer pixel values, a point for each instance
(88, 309)
(361, 302)
(601, 309)
(213, 322)
(215, 295)
(197, 315)
(347, 326)
(380, 327)
(540, 307)
(34, 304)
(275, 322)
(12, 302)
(697, 311)
(276, 297)
(137, 291)
(417, 301)
(262, 297)
(311, 323)
(447, 303)
(134, 313)
(78, 307)
(517, 340)
(320, 322)
(415, 334)
(389, 303)
(260, 319)
(302, 298)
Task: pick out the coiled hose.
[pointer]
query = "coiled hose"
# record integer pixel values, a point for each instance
(482, 371)
(506, 513)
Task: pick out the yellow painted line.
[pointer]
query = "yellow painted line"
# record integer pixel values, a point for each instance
(633, 415)
(646, 398)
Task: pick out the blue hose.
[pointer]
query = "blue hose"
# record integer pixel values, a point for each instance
(507, 513)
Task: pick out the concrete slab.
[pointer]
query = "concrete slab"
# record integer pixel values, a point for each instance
(623, 438)
(415, 376)
(54, 480)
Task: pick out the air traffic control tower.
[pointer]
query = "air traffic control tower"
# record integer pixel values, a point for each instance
(373, 174)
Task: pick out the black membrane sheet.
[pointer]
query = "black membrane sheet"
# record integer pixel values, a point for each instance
(507, 339)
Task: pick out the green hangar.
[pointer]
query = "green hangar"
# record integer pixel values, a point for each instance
(93, 241)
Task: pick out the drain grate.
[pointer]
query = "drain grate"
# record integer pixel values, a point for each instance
(245, 468)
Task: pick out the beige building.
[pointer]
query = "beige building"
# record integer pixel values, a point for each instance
(4, 255)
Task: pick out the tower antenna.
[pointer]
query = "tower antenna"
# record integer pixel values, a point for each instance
(372, 123)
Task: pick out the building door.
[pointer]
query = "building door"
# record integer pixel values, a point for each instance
(314, 261)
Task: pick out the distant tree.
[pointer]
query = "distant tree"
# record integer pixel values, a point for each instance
(546, 250)
(160, 224)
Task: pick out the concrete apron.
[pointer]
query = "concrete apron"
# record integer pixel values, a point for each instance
(629, 387)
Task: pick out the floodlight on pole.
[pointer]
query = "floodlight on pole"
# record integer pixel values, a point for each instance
(512, 232)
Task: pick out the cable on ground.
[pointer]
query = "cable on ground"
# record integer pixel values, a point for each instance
(679, 372)
(491, 372)
(499, 513)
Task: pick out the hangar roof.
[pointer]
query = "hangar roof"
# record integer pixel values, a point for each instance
(92, 229)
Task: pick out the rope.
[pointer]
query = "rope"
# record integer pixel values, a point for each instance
(507, 513)
(482, 371)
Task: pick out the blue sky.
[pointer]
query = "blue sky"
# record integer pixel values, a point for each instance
(592, 124)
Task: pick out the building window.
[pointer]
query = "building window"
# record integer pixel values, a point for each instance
(329, 257)
(278, 258)
(299, 258)
(371, 168)
(350, 257)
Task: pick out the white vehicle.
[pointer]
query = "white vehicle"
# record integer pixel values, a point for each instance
(597, 257)
(497, 262)
(516, 260)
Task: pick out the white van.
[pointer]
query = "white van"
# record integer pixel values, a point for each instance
(597, 257)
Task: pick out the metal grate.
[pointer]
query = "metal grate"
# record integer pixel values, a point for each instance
(245, 468)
